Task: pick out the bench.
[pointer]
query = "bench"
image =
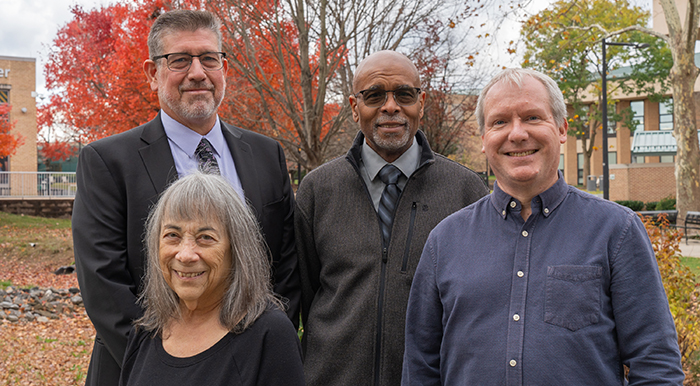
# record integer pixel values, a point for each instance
(671, 216)
(692, 221)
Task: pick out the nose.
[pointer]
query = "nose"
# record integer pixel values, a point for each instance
(518, 131)
(390, 106)
(187, 253)
(196, 71)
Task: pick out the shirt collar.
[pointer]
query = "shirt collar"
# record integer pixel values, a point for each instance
(550, 199)
(407, 162)
(187, 139)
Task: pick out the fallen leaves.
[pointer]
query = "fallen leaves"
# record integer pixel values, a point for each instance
(53, 353)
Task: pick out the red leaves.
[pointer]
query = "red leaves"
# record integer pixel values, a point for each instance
(96, 73)
(8, 142)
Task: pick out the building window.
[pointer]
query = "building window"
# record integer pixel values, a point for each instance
(4, 178)
(561, 162)
(612, 158)
(638, 159)
(4, 96)
(666, 115)
(612, 125)
(637, 108)
(580, 168)
(667, 158)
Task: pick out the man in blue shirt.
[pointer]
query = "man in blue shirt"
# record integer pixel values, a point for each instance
(538, 283)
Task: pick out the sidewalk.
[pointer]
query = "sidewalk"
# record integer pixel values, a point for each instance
(690, 250)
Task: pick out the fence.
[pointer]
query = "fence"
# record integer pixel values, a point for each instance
(37, 184)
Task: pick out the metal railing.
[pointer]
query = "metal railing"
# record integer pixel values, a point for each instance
(37, 184)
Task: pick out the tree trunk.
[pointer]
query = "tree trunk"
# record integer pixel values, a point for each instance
(683, 76)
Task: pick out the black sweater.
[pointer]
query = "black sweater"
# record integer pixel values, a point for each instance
(268, 353)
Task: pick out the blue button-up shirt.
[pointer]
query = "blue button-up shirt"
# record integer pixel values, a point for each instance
(564, 298)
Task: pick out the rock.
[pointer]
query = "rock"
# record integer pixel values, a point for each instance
(9, 290)
(42, 319)
(65, 270)
(31, 304)
(11, 306)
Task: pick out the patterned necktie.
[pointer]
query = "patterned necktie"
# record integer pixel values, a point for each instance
(205, 155)
(389, 175)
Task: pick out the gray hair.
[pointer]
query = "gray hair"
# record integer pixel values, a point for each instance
(514, 76)
(208, 198)
(181, 20)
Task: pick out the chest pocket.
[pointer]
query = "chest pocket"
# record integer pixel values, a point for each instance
(572, 297)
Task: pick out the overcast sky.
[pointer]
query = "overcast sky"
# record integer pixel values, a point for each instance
(28, 27)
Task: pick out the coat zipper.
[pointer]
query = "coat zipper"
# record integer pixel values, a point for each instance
(414, 209)
(380, 307)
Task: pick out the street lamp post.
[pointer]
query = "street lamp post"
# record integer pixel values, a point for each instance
(606, 169)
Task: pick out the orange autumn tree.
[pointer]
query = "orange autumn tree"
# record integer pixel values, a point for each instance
(9, 142)
(107, 93)
(279, 79)
(95, 77)
(290, 68)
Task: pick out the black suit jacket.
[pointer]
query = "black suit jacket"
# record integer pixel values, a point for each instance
(119, 179)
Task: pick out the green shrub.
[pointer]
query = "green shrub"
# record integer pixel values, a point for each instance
(650, 205)
(668, 203)
(682, 292)
(632, 204)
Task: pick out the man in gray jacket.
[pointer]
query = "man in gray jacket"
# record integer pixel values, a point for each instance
(361, 222)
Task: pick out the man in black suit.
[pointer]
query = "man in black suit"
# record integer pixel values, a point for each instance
(121, 177)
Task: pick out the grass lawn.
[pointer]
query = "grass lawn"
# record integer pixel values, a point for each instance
(693, 263)
(35, 239)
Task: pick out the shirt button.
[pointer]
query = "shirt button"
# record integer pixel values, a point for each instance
(516, 317)
(524, 233)
(513, 363)
(520, 274)
(513, 204)
(546, 210)
(503, 213)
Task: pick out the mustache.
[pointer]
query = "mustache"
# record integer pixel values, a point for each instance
(196, 86)
(382, 119)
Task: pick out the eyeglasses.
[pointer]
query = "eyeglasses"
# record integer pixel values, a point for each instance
(406, 96)
(181, 62)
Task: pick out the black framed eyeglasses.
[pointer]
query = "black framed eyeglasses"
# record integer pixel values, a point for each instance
(404, 96)
(181, 61)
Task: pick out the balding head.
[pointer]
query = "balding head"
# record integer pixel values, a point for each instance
(384, 60)
(389, 124)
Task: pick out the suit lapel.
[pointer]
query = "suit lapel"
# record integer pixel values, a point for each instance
(245, 165)
(156, 155)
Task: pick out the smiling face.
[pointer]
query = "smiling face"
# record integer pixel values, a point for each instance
(521, 139)
(195, 258)
(192, 97)
(389, 129)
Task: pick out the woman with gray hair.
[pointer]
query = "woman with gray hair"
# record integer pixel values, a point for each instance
(210, 317)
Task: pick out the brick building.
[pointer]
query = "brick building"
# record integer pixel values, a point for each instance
(641, 161)
(17, 87)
